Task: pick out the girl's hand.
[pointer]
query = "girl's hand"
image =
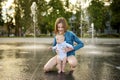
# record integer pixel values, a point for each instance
(68, 49)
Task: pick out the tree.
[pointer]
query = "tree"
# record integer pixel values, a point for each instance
(23, 19)
(55, 10)
(58, 8)
(1, 20)
(7, 17)
(115, 19)
(22, 16)
(41, 16)
(96, 12)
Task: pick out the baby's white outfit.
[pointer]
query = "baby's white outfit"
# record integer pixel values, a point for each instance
(61, 49)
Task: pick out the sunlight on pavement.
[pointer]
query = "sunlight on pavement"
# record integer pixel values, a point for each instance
(6, 47)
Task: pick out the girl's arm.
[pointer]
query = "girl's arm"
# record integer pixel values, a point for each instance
(78, 41)
(71, 38)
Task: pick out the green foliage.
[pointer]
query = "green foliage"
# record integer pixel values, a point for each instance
(96, 12)
(47, 13)
(1, 20)
(22, 16)
(55, 10)
(115, 8)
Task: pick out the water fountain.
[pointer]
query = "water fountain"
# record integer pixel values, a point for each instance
(34, 16)
(92, 27)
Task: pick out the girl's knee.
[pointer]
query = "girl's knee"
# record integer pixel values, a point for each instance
(46, 69)
(75, 65)
(73, 62)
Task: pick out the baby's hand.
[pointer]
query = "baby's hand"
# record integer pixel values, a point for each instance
(57, 51)
(50, 48)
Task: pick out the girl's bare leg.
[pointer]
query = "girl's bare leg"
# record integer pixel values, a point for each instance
(63, 64)
(72, 61)
(50, 64)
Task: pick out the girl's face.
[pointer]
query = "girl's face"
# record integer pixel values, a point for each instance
(60, 28)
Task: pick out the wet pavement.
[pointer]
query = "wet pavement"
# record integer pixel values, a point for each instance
(22, 59)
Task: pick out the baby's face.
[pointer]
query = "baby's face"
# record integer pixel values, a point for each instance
(60, 39)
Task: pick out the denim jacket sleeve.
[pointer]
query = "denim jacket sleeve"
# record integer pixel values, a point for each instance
(78, 41)
(54, 42)
(71, 38)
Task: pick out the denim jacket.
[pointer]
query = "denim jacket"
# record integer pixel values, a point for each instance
(70, 38)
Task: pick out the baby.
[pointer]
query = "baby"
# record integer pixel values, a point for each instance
(61, 53)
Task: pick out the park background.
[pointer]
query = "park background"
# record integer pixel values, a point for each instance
(86, 18)
(27, 30)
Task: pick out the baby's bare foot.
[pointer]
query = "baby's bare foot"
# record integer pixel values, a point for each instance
(63, 71)
(59, 71)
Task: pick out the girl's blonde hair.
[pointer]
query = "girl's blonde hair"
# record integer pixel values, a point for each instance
(64, 23)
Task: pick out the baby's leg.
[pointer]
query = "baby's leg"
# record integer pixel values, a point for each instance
(59, 64)
(63, 63)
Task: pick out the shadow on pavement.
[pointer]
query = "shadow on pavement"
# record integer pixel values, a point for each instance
(53, 75)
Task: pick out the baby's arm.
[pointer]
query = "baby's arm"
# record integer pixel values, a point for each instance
(54, 47)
